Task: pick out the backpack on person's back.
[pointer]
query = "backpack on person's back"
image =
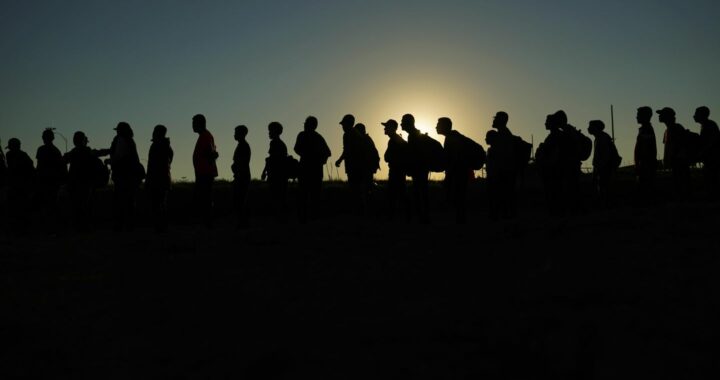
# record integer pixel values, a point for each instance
(473, 154)
(433, 154)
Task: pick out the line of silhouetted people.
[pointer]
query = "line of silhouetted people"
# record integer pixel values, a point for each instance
(558, 159)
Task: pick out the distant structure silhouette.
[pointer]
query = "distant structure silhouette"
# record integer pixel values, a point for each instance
(368, 162)
(676, 154)
(86, 173)
(159, 180)
(241, 175)
(276, 171)
(709, 151)
(418, 168)
(351, 156)
(314, 153)
(645, 155)
(204, 161)
(21, 176)
(397, 157)
(127, 175)
(51, 175)
(502, 169)
(605, 162)
(459, 171)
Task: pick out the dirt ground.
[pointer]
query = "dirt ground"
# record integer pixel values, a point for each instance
(628, 292)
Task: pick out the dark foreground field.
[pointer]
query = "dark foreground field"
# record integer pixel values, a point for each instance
(625, 293)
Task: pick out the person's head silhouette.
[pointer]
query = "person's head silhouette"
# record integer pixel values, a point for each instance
(240, 132)
(275, 129)
(644, 115)
(159, 133)
(702, 114)
(79, 139)
(407, 123)
(666, 115)
(390, 127)
(13, 144)
(500, 120)
(444, 126)
(347, 122)
(550, 122)
(491, 137)
(123, 130)
(561, 118)
(48, 136)
(311, 123)
(199, 123)
(360, 128)
(595, 127)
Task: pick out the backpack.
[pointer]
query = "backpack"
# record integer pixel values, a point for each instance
(433, 154)
(522, 151)
(583, 145)
(292, 167)
(615, 159)
(473, 153)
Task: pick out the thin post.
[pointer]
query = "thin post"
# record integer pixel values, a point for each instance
(612, 122)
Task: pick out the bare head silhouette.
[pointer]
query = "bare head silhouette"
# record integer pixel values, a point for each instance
(159, 132)
(491, 137)
(199, 123)
(500, 120)
(644, 115)
(79, 139)
(407, 123)
(123, 129)
(561, 118)
(13, 144)
(240, 132)
(701, 114)
(550, 123)
(48, 136)
(311, 123)
(444, 126)
(390, 127)
(666, 115)
(360, 127)
(347, 122)
(275, 129)
(595, 126)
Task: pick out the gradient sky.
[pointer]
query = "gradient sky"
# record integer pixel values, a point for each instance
(86, 65)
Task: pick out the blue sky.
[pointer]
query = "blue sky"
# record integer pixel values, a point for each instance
(86, 65)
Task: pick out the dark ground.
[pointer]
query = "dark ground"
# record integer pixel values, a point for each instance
(621, 293)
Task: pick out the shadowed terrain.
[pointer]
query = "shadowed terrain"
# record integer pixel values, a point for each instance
(622, 293)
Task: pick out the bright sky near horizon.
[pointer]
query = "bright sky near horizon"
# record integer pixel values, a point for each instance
(86, 65)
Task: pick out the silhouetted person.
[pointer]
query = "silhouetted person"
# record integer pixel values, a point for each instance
(645, 155)
(604, 155)
(314, 153)
(241, 175)
(51, 174)
(127, 175)
(3, 167)
(86, 173)
(675, 156)
(709, 151)
(418, 168)
(368, 164)
(21, 175)
(350, 155)
(504, 171)
(204, 161)
(276, 170)
(570, 162)
(397, 157)
(159, 180)
(458, 171)
(549, 160)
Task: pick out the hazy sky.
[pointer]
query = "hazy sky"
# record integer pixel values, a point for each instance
(86, 65)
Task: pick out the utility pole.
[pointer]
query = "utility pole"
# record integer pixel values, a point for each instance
(612, 122)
